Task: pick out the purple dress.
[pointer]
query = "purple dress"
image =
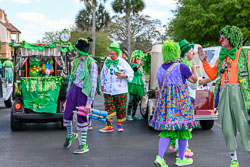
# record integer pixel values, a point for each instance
(174, 109)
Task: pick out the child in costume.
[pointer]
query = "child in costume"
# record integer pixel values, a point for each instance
(8, 70)
(81, 92)
(174, 112)
(136, 87)
(114, 76)
(232, 90)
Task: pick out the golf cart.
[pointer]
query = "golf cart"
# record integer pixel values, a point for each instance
(6, 89)
(204, 111)
(39, 92)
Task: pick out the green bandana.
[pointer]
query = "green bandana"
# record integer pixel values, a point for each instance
(231, 53)
(114, 62)
(184, 61)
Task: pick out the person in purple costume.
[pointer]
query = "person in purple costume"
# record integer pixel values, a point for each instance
(81, 92)
(173, 115)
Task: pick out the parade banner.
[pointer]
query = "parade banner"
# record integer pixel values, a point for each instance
(41, 94)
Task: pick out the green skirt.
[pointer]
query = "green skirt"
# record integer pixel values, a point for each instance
(178, 134)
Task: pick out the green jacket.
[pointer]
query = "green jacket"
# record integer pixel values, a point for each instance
(243, 75)
(87, 84)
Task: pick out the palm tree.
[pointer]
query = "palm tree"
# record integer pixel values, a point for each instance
(93, 3)
(84, 18)
(128, 7)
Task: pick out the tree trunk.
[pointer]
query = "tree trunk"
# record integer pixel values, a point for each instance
(129, 33)
(93, 27)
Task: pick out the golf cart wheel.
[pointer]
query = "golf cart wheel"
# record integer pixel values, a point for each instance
(15, 125)
(8, 103)
(207, 124)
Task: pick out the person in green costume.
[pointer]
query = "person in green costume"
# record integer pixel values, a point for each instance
(81, 93)
(232, 90)
(8, 70)
(136, 87)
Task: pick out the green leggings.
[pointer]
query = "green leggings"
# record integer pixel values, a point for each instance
(233, 116)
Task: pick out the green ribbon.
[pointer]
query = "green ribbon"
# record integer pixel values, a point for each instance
(224, 52)
(114, 62)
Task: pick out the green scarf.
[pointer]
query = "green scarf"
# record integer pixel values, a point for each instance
(224, 53)
(114, 62)
(186, 62)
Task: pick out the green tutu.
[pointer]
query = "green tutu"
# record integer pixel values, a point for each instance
(178, 134)
(137, 90)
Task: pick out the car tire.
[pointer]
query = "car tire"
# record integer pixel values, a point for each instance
(207, 124)
(8, 103)
(15, 125)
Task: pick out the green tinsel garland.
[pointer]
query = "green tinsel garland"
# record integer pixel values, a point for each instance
(233, 34)
(42, 47)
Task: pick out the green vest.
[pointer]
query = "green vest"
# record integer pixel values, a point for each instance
(243, 76)
(87, 84)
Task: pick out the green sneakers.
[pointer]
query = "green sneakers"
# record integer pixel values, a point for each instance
(234, 164)
(68, 141)
(136, 118)
(183, 162)
(159, 162)
(81, 149)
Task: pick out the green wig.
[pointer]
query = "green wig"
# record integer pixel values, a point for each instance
(233, 34)
(170, 51)
(136, 53)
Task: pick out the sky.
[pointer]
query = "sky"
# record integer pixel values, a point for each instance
(35, 17)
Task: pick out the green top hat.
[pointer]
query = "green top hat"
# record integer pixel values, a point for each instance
(116, 47)
(185, 46)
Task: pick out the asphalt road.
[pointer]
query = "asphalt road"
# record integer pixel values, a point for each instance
(40, 145)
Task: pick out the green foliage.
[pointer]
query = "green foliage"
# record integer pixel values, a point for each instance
(144, 32)
(52, 36)
(128, 6)
(84, 17)
(201, 21)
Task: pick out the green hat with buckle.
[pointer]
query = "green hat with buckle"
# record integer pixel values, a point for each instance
(185, 46)
(116, 47)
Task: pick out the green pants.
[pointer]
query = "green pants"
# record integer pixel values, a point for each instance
(233, 116)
